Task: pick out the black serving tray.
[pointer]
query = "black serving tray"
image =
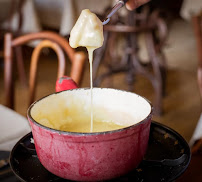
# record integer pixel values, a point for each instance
(168, 156)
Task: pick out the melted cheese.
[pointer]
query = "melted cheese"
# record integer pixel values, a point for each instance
(88, 32)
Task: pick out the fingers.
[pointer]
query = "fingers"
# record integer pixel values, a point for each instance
(133, 4)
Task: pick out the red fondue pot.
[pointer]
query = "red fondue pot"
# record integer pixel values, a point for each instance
(93, 156)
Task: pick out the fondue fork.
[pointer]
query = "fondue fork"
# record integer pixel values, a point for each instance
(119, 5)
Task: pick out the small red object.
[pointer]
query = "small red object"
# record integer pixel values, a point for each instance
(65, 83)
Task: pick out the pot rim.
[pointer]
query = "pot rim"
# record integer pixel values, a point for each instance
(30, 118)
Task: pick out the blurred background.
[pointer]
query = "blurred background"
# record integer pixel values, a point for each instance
(154, 51)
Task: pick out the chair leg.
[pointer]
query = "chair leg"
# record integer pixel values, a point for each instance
(98, 80)
(130, 74)
(8, 71)
(163, 69)
(20, 66)
(99, 55)
(158, 77)
(158, 105)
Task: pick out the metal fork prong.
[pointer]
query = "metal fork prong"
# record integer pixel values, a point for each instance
(119, 5)
(106, 21)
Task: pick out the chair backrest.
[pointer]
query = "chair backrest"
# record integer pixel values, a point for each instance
(52, 40)
(34, 63)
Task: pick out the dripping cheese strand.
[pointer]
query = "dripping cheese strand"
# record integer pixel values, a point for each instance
(90, 55)
(88, 32)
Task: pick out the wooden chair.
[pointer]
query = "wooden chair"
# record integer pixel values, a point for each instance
(54, 41)
(154, 28)
(15, 7)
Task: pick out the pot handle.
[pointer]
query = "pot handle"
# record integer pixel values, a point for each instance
(166, 162)
(65, 83)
